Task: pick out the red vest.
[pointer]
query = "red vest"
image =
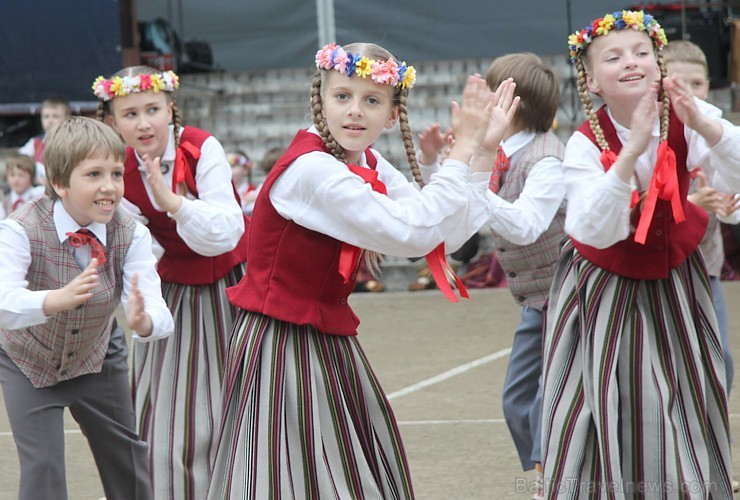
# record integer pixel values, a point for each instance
(668, 244)
(179, 264)
(293, 272)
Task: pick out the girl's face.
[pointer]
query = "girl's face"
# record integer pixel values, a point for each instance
(356, 111)
(621, 66)
(143, 119)
(20, 181)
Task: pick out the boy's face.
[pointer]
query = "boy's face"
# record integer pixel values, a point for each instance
(95, 190)
(51, 116)
(693, 74)
(20, 180)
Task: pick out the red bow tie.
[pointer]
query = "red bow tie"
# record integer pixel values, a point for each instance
(17, 203)
(85, 237)
(500, 167)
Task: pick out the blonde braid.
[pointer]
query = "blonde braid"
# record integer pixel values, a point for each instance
(317, 115)
(588, 105)
(176, 122)
(665, 109)
(101, 112)
(408, 140)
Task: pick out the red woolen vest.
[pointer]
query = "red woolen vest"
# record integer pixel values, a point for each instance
(668, 244)
(293, 273)
(180, 264)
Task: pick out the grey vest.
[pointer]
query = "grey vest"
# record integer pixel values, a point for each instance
(70, 343)
(530, 268)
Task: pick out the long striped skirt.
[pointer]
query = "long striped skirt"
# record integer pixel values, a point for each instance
(634, 400)
(304, 418)
(177, 387)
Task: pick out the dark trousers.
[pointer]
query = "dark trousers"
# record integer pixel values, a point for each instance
(522, 396)
(101, 404)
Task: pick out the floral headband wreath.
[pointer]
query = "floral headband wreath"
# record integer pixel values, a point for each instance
(119, 86)
(636, 20)
(390, 72)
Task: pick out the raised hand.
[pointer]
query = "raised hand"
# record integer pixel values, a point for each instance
(502, 113)
(730, 206)
(138, 319)
(470, 120)
(76, 292)
(684, 105)
(641, 124)
(432, 141)
(162, 193)
(706, 196)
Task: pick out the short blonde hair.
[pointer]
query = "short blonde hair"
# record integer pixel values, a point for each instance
(23, 163)
(73, 141)
(683, 51)
(536, 84)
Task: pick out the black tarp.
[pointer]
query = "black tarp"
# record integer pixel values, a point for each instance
(56, 48)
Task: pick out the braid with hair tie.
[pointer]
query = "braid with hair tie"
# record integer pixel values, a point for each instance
(408, 140)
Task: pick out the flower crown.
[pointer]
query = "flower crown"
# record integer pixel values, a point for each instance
(389, 72)
(119, 86)
(637, 20)
(238, 160)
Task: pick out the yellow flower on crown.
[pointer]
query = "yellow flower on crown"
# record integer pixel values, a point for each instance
(364, 67)
(605, 25)
(408, 78)
(157, 83)
(634, 18)
(116, 86)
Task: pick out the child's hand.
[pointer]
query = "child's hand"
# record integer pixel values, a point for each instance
(76, 292)
(162, 193)
(731, 205)
(707, 197)
(641, 124)
(502, 113)
(470, 120)
(138, 319)
(688, 112)
(683, 100)
(431, 142)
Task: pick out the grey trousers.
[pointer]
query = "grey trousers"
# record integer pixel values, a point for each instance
(101, 404)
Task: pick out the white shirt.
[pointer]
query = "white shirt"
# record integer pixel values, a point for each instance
(21, 307)
(320, 193)
(525, 219)
(213, 223)
(598, 212)
(29, 194)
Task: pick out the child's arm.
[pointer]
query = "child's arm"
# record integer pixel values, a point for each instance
(146, 310)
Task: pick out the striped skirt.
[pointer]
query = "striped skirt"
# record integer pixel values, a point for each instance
(634, 400)
(304, 417)
(177, 387)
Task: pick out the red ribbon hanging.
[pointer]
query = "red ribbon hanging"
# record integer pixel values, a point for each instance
(181, 173)
(663, 185)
